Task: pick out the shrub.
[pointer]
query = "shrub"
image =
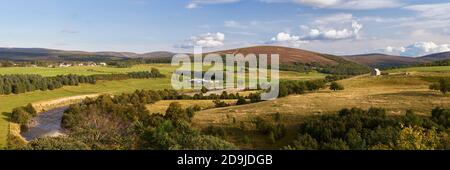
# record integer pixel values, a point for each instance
(336, 86)
(20, 116)
(58, 143)
(241, 101)
(219, 103)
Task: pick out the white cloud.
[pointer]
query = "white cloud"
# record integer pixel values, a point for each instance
(196, 3)
(332, 4)
(345, 4)
(191, 6)
(207, 40)
(435, 11)
(428, 16)
(418, 49)
(334, 34)
(287, 39)
(394, 50)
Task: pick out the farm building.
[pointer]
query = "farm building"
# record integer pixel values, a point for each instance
(376, 72)
(65, 65)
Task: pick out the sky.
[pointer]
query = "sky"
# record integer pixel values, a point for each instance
(343, 27)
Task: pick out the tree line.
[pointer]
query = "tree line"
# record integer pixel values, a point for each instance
(21, 83)
(372, 129)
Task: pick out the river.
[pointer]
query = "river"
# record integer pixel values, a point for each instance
(45, 124)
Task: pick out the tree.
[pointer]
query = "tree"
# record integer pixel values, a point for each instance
(443, 85)
(204, 90)
(59, 143)
(305, 142)
(336, 86)
(20, 116)
(241, 101)
(417, 138)
(175, 112)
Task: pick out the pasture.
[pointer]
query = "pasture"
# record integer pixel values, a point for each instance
(84, 70)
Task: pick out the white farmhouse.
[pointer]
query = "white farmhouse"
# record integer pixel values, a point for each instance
(376, 72)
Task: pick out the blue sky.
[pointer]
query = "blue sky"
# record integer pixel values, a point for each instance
(410, 28)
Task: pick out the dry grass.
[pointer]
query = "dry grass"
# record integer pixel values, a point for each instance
(161, 106)
(395, 93)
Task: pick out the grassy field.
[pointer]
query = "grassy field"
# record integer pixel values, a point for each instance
(161, 106)
(397, 93)
(445, 69)
(8, 102)
(84, 70)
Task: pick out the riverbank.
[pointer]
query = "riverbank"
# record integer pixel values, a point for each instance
(48, 111)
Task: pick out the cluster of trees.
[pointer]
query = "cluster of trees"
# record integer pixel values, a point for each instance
(342, 67)
(22, 115)
(21, 83)
(436, 63)
(123, 122)
(359, 129)
(275, 130)
(25, 83)
(154, 73)
(300, 87)
(4, 63)
(299, 67)
(443, 86)
(336, 86)
(331, 78)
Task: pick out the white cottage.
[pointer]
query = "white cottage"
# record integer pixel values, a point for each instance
(376, 72)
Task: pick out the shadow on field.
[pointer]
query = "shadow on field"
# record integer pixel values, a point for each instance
(6, 116)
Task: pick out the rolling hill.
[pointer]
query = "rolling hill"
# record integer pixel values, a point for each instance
(27, 54)
(292, 57)
(382, 60)
(436, 57)
(287, 55)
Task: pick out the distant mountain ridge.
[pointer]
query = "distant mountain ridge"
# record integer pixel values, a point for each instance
(382, 60)
(287, 56)
(20, 54)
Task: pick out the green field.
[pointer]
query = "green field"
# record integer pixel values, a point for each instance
(86, 70)
(423, 69)
(8, 102)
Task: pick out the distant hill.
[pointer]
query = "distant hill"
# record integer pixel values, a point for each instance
(26, 54)
(287, 55)
(382, 60)
(157, 54)
(436, 57)
(302, 60)
(290, 58)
